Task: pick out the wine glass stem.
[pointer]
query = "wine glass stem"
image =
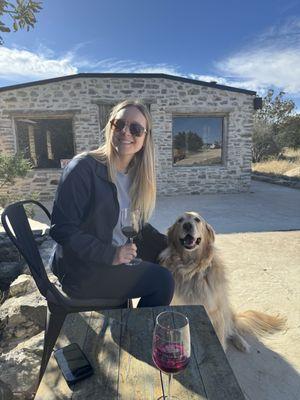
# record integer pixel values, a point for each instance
(169, 388)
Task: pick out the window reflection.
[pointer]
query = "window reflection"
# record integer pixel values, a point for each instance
(197, 140)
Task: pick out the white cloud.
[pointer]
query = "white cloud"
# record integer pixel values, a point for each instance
(273, 61)
(129, 66)
(16, 64)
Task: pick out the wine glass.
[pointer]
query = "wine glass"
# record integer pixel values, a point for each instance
(171, 349)
(130, 226)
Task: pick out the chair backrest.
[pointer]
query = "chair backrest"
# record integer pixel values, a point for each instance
(16, 225)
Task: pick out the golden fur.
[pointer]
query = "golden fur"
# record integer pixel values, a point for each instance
(200, 278)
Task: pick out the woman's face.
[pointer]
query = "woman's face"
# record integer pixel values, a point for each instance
(127, 144)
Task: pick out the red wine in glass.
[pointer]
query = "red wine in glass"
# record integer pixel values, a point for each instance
(129, 232)
(171, 348)
(170, 358)
(130, 225)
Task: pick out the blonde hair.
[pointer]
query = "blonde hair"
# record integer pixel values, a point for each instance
(141, 168)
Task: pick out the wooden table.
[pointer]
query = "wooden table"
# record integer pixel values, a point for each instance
(118, 344)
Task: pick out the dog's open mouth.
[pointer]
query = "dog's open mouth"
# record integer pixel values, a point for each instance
(189, 242)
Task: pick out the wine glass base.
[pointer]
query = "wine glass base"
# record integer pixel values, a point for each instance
(135, 261)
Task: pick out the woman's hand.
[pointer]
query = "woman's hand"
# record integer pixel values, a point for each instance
(124, 254)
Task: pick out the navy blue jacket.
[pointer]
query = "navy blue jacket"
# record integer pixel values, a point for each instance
(85, 212)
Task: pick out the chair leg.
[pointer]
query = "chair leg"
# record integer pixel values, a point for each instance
(55, 320)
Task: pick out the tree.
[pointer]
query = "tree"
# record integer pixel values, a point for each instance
(195, 142)
(275, 110)
(263, 144)
(22, 14)
(288, 134)
(268, 122)
(189, 141)
(179, 140)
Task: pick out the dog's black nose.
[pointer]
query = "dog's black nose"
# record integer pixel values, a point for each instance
(187, 226)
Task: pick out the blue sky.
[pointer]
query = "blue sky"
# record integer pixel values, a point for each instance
(253, 45)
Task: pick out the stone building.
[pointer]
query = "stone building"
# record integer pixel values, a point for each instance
(202, 130)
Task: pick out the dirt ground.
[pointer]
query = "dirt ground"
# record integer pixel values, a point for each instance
(264, 274)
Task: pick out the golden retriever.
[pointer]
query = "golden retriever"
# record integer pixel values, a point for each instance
(200, 278)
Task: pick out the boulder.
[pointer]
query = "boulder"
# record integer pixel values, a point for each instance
(19, 368)
(32, 306)
(23, 285)
(25, 317)
(9, 271)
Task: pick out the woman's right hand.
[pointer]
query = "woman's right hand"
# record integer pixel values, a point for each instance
(124, 254)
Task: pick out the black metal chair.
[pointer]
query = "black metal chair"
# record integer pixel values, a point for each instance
(16, 225)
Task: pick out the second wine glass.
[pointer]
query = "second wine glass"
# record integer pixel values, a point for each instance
(130, 226)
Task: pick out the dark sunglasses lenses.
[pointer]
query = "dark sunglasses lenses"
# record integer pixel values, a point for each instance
(134, 128)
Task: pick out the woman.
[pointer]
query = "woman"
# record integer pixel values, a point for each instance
(91, 254)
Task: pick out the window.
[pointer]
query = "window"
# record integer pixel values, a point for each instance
(48, 143)
(197, 140)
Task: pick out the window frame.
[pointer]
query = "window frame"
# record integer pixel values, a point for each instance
(224, 148)
(44, 116)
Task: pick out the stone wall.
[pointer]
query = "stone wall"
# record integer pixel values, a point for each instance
(80, 98)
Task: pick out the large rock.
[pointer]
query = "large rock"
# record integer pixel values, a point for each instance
(9, 271)
(23, 285)
(19, 368)
(26, 317)
(22, 321)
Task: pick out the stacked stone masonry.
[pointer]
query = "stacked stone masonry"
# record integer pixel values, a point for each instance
(80, 97)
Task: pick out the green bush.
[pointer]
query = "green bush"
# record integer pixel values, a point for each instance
(12, 167)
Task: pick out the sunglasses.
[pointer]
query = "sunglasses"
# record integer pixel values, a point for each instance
(134, 128)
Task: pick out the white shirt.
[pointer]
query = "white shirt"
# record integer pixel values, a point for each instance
(123, 185)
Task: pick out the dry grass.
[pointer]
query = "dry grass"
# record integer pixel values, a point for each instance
(288, 166)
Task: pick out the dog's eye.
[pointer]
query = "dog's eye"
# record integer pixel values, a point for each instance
(197, 219)
(180, 220)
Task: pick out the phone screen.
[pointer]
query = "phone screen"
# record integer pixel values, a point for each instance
(73, 363)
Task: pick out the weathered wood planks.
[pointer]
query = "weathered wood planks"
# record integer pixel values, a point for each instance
(118, 344)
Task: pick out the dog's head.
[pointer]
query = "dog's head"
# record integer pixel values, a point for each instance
(190, 233)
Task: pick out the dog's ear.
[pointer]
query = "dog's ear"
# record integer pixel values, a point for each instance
(173, 236)
(210, 233)
(208, 245)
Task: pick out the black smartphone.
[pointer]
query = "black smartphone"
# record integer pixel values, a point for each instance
(73, 363)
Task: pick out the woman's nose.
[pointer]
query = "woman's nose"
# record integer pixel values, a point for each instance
(125, 129)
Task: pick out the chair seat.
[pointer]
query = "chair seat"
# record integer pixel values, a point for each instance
(93, 303)
(71, 299)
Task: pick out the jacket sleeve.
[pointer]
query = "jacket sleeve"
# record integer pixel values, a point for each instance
(71, 207)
